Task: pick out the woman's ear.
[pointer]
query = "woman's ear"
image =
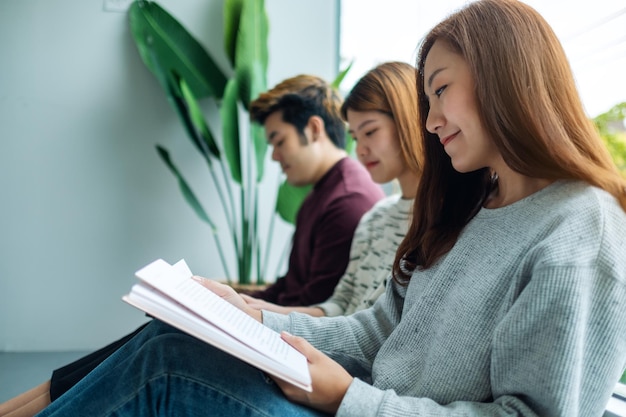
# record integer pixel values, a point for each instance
(316, 126)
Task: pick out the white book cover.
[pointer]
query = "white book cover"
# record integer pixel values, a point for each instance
(168, 293)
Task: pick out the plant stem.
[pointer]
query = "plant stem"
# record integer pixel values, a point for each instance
(234, 229)
(220, 193)
(270, 235)
(244, 276)
(228, 211)
(252, 204)
(257, 243)
(220, 251)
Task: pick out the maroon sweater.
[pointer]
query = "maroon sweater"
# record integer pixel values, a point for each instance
(324, 228)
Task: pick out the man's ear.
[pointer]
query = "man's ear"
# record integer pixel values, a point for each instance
(316, 126)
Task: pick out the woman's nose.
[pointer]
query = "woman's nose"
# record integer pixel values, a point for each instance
(434, 120)
(361, 150)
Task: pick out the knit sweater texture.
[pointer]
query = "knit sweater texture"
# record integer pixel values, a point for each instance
(524, 316)
(373, 250)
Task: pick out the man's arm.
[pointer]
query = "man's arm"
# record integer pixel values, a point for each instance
(271, 293)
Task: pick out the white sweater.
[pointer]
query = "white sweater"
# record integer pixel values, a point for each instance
(525, 316)
(373, 250)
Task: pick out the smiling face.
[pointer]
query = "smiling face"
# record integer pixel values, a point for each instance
(377, 144)
(453, 113)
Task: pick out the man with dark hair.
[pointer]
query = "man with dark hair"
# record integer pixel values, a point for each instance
(303, 123)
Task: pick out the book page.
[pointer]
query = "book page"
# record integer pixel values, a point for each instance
(220, 313)
(153, 302)
(182, 267)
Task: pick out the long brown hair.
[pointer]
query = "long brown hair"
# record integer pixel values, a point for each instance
(529, 106)
(389, 88)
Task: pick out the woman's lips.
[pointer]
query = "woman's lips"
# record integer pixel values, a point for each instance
(447, 139)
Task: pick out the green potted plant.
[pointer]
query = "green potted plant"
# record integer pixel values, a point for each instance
(614, 138)
(234, 149)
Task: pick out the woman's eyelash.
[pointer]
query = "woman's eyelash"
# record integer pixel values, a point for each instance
(440, 90)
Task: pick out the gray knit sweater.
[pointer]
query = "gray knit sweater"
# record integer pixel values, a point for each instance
(525, 316)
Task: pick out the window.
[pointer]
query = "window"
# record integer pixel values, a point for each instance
(591, 32)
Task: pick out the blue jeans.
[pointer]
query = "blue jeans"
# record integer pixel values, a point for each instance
(164, 372)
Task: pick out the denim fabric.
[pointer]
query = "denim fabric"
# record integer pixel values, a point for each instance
(163, 372)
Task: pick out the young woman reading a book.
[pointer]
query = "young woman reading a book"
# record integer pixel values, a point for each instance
(508, 290)
(380, 110)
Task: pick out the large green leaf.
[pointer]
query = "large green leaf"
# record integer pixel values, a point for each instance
(260, 149)
(251, 54)
(230, 129)
(171, 84)
(289, 200)
(336, 83)
(342, 74)
(174, 96)
(188, 194)
(167, 48)
(615, 142)
(196, 118)
(257, 132)
(232, 16)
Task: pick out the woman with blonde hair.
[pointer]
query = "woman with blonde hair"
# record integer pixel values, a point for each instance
(508, 290)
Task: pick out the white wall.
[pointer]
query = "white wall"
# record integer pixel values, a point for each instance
(85, 199)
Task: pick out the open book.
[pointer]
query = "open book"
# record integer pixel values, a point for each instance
(168, 293)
